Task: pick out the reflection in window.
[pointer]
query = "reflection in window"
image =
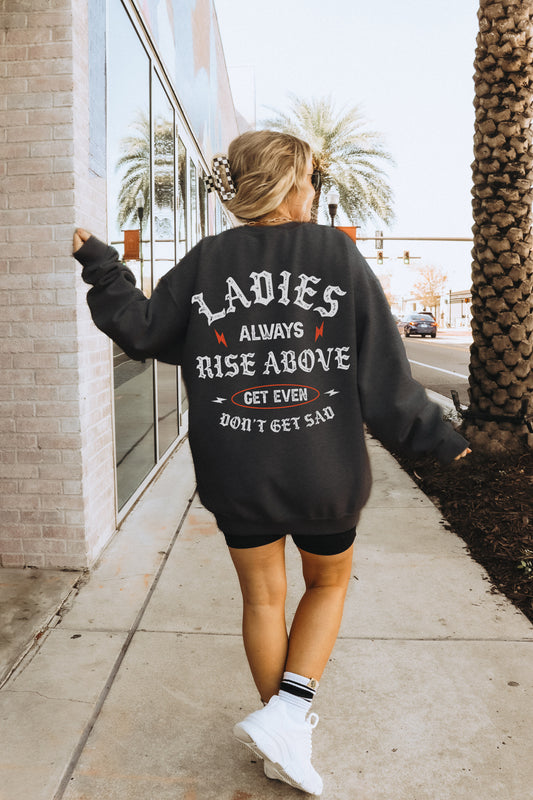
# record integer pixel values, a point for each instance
(128, 143)
(194, 201)
(164, 252)
(182, 199)
(202, 203)
(134, 422)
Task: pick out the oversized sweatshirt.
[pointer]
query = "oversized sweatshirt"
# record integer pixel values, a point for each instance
(288, 348)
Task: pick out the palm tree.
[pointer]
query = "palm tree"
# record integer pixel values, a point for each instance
(348, 156)
(501, 366)
(136, 164)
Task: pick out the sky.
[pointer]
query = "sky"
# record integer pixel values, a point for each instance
(408, 66)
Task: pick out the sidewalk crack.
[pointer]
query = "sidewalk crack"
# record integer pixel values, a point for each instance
(47, 697)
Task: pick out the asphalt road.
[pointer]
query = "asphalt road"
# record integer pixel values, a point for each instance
(441, 364)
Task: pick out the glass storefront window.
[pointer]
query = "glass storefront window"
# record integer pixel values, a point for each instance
(193, 186)
(182, 200)
(164, 251)
(202, 203)
(128, 149)
(158, 208)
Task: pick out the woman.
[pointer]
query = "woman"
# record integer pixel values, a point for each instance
(288, 348)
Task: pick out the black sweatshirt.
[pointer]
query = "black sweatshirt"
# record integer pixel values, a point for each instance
(288, 347)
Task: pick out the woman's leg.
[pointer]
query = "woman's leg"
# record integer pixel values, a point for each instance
(318, 617)
(261, 572)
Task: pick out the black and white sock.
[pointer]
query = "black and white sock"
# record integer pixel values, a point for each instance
(298, 690)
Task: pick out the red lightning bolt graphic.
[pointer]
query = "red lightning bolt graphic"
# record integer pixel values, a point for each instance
(319, 332)
(221, 337)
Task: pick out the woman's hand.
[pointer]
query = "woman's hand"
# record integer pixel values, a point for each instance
(80, 237)
(463, 454)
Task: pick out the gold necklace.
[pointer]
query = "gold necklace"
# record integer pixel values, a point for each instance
(271, 221)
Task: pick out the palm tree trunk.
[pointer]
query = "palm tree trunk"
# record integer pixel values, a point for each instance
(501, 365)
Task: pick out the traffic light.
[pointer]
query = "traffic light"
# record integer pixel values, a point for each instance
(380, 257)
(406, 256)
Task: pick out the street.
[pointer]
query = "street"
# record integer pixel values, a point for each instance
(441, 364)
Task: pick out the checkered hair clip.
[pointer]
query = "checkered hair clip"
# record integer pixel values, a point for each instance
(221, 179)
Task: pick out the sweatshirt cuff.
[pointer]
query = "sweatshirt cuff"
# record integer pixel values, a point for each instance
(96, 258)
(450, 448)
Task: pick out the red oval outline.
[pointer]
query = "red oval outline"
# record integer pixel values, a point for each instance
(270, 386)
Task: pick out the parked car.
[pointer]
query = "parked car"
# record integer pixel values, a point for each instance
(418, 325)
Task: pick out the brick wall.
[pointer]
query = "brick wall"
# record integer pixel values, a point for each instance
(57, 502)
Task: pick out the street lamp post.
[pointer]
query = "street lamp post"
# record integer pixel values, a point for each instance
(332, 200)
(140, 213)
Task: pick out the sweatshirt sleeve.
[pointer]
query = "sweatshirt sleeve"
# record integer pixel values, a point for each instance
(395, 407)
(143, 327)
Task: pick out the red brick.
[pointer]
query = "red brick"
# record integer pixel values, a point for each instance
(52, 148)
(28, 266)
(11, 20)
(51, 216)
(21, 530)
(65, 532)
(62, 164)
(13, 52)
(29, 100)
(17, 410)
(13, 118)
(12, 345)
(60, 34)
(61, 441)
(40, 487)
(62, 99)
(56, 346)
(51, 50)
(67, 503)
(35, 361)
(38, 456)
(15, 183)
(52, 182)
(64, 198)
(30, 133)
(12, 516)
(29, 166)
(30, 201)
(15, 86)
(49, 19)
(10, 560)
(16, 440)
(29, 37)
(43, 517)
(58, 409)
(20, 329)
(20, 501)
(65, 472)
(54, 313)
(14, 471)
(37, 393)
(16, 250)
(24, 233)
(37, 425)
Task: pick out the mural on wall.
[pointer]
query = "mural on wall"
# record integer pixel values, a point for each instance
(187, 36)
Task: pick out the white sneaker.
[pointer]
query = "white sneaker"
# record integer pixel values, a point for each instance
(284, 741)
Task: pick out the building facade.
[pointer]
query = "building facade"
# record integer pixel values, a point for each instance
(111, 112)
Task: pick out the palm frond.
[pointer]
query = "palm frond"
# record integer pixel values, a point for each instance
(348, 154)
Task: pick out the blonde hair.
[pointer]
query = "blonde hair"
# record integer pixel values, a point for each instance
(266, 166)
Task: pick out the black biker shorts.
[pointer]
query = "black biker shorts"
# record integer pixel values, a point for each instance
(330, 544)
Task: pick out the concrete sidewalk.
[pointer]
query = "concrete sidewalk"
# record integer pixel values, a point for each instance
(133, 695)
